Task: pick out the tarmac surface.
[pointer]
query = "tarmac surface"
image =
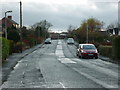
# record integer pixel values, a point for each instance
(57, 66)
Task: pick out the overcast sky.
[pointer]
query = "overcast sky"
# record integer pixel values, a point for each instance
(62, 13)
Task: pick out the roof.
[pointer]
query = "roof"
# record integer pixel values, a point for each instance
(11, 20)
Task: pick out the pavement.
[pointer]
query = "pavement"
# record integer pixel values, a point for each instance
(13, 59)
(108, 59)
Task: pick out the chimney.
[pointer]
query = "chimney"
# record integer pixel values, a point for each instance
(10, 17)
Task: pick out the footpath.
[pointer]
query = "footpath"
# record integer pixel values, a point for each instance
(108, 59)
(13, 59)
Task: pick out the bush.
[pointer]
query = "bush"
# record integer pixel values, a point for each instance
(105, 51)
(14, 35)
(0, 51)
(5, 48)
(11, 46)
(40, 40)
(32, 42)
(116, 47)
(18, 47)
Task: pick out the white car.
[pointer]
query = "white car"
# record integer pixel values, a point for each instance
(48, 41)
(70, 41)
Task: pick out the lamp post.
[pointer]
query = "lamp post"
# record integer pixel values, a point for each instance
(87, 35)
(6, 23)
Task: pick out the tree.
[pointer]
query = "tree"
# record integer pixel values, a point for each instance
(70, 31)
(14, 35)
(45, 25)
(93, 26)
(41, 28)
(113, 25)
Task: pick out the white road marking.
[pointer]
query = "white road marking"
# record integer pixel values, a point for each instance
(65, 60)
(62, 84)
(96, 80)
(34, 51)
(61, 57)
(97, 68)
(16, 65)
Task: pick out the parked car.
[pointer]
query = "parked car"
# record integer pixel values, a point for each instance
(87, 51)
(70, 41)
(48, 41)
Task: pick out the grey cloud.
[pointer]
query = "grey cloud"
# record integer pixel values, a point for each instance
(61, 16)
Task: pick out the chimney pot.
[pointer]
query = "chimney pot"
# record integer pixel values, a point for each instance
(10, 17)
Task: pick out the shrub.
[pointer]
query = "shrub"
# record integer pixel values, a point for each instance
(116, 47)
(14, 35)
(32, 42)
(11, 46)
(18, 47)
(0, 51)
(5, 48)
(105, 51)
(40, 40)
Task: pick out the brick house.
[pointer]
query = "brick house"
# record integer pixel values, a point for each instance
(8, 22)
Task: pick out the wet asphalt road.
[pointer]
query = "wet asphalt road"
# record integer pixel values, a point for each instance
(57, 66)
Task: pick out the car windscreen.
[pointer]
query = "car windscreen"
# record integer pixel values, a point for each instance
(70, 39)
(47, 40)
(88, 47)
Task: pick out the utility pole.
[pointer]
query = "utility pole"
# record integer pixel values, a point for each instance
(119, 16)
(87, 35)
(45, 29)
(21, 24)
(20, 14)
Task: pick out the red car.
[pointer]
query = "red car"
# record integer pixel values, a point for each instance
(87, 51)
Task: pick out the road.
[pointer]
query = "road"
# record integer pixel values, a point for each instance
(57, 66)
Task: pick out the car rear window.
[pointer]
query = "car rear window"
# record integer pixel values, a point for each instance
(88, 47)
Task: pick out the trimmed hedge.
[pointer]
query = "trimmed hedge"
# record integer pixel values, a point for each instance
(5, 48)
(11, 46)
(105, 51)
(18, 47)
(116, 47)
(0, 51)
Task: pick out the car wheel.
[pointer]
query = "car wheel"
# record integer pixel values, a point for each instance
(79, 56)
(76, 54)
(96, 57)
(82, 57)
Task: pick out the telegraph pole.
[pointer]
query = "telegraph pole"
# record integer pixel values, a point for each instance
(21, 24)
(20, 14)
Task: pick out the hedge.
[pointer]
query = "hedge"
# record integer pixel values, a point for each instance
(5, 48)
(105, 51)
(0, 51)
(18, 47)
(116, 47)
(11, 46)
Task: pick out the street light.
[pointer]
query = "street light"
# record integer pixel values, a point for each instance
(6, 23)
(87, 35)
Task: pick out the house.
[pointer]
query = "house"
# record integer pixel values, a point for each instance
(103, 31)
(114, 31)
(8, 22)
